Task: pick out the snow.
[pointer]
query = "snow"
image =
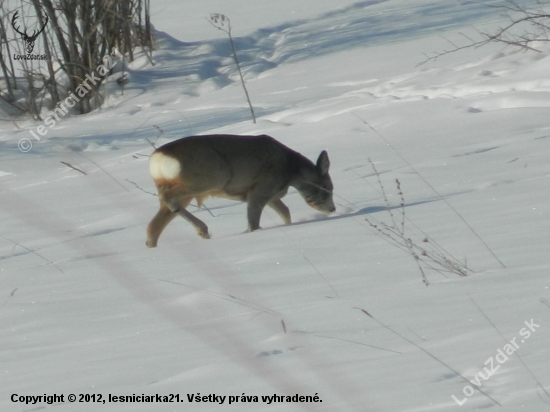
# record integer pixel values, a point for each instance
(88, 309)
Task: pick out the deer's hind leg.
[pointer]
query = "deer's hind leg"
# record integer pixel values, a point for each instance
(157, 225)
(177, 199)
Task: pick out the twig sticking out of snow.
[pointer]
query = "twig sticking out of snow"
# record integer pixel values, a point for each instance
(74, 168)
(222, 22)
(427, 353)
(34, 253)
(542, 392)
(433, 189)
(426, 253)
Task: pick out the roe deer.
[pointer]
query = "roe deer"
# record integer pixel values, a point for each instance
(253, 169)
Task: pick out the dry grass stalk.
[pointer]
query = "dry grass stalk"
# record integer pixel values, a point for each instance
(427, 254)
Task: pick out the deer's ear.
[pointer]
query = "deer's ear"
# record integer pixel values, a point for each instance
(323, 163)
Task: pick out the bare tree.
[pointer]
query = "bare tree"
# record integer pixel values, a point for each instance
(75, 35)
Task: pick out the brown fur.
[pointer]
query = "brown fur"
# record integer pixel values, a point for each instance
(254, 169)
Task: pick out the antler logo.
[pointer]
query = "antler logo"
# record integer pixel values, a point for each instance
(29, 40)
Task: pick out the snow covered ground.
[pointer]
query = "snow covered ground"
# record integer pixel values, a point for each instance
(86, 308)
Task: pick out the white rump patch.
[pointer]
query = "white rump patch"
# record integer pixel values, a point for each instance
(162, 166)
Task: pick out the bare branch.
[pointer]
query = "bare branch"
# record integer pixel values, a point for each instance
(526, 26)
